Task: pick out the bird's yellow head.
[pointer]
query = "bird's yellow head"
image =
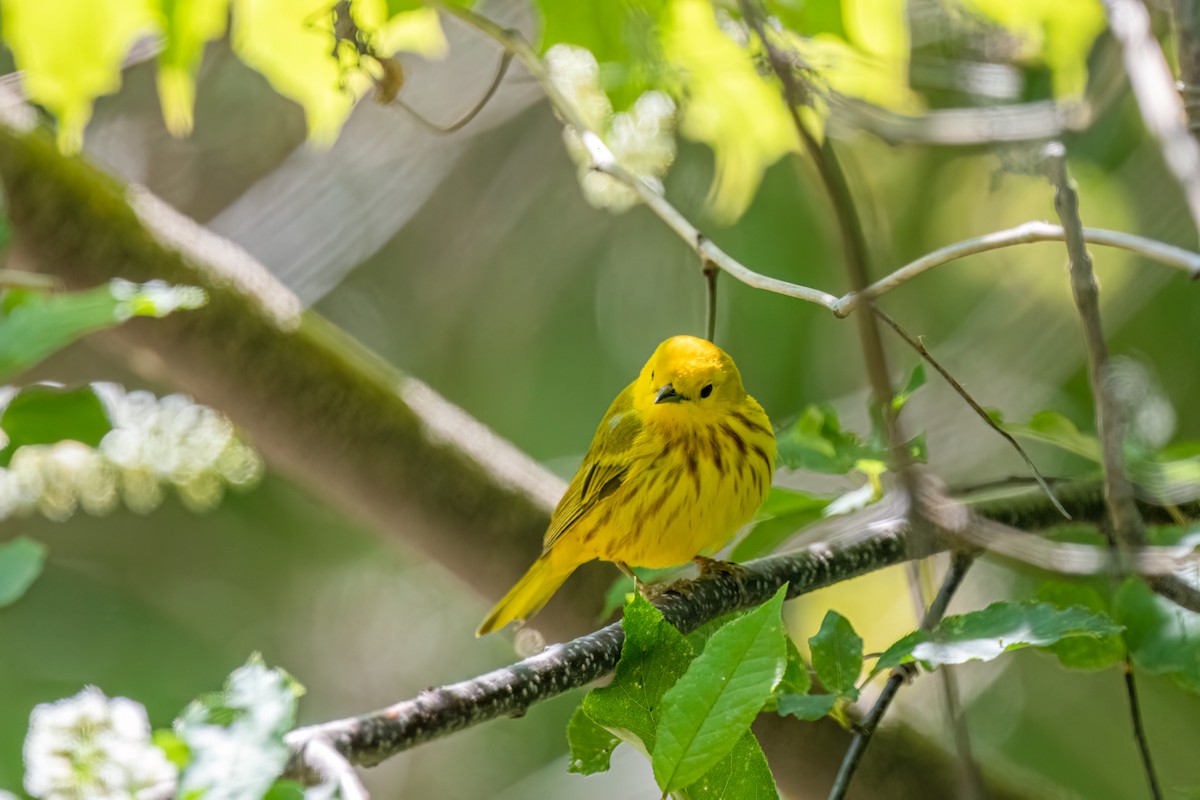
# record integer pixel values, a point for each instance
(688, 378)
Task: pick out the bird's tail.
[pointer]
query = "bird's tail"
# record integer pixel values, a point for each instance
(528, 596)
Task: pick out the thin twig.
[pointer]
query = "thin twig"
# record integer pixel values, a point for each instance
(710, 314)
(854, 244)
(970, 776)
(1127, 531)
(331, 766)
(1154, 88)
(19, 279)
(1127, 524)
(1025, 233)
(866, 728)
(916, 344)
(1139, 729)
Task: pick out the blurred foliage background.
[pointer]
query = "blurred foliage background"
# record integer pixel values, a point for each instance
(473, 262)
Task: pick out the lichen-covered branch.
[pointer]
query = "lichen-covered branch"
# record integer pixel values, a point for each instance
(371, 738)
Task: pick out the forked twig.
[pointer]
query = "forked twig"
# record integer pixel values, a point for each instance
(959, 565)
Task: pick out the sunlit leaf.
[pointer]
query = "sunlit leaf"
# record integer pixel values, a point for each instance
(591, 745)
(837, 655)
(722, 89)
(415, 30)
(1059, 35)
(291, 43)
(44, 414)
(712, 705)
(33, 325)
(188, 26)
(70, 52)
(1162, 637)
(1001, 627)
(21, 561)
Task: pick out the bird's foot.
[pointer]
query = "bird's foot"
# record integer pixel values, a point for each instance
(712, 566)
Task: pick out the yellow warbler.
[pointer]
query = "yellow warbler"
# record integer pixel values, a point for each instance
(683, 459)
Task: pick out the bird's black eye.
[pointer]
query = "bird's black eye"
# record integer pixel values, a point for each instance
(706, 391)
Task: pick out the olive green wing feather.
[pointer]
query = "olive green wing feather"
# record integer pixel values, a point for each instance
(604, 468)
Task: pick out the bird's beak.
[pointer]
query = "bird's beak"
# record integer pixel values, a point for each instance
(667, 394)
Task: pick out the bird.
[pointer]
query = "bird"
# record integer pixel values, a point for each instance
(681, 461)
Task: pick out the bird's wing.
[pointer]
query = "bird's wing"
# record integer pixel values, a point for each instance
(604, 467)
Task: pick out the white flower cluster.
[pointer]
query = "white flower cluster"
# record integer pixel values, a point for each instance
(240, 759)
(91, 747)
(154, 443)
(641, 139)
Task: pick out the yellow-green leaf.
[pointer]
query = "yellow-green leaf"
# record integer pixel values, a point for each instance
(70, 52)
(727, 105)
(1059, 35)
(188, 25)
(291, 43)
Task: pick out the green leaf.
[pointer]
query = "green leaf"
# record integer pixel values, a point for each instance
(1162, 637)
(809, 707)
(698, 639)
(172, 746)
(33, 325)
(816, 441)
(837, 655)
(653, 657)
(796, 679)
(713, 703)
(45, 414)
(1059, 35)
(1051, 427)
(743, 774)
(783, 514)
(721, 89)
(285, 790)
(997, 629)
(188, 25)
(70, 53)
(1082, 652)
(622, 587)
(622, 36)
(916, 380)
(21, 561)
(591, 745)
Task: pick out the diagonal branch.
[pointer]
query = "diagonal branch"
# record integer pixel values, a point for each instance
(1154, 87)
(371, 738)
(866, 729)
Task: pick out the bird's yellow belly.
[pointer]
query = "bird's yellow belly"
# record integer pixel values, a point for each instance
(668, 515)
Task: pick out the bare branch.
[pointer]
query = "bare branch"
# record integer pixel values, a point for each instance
(1025, 233)
(862, 737)
(1128, 529)
(1154, 87)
